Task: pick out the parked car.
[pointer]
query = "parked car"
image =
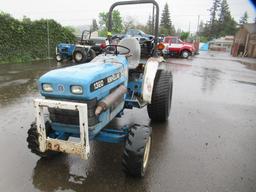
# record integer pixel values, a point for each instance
(83, 51)
(145, 40)
(139, 35)
(176, 47)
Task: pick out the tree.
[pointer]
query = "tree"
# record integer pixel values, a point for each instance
(94, 26)
(213, 19)
(221, 22)
(244, 18)
(184, 35)
(213, 11)
(149, 26)
(117, 26)
(224, 12)
(178, 32)
(166, 27)
(201, 28)
(128, 24)
(226, 24)
(25, 40)
(141, 27)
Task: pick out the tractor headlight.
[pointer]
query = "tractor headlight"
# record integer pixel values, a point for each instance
(47, 87)
(77, 89)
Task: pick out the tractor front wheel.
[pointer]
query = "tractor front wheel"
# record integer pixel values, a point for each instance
(160, 106)
(58, 57)
(136, 151)
(32, 139)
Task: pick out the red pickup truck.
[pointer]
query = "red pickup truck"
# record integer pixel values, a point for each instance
(176, 47)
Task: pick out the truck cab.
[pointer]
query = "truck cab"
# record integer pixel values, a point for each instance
(174, 46)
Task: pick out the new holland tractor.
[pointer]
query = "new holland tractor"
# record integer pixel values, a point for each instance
(80, 101)
(84, 51)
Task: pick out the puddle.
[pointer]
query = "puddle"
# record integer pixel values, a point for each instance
(251, 66)
(245, 82)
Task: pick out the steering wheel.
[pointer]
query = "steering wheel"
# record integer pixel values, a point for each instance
(112, 49)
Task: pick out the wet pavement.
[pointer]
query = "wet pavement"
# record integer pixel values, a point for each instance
(208, 144)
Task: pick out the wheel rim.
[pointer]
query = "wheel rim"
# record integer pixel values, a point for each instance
(78, 56)
(58, 57)
(146, 153)
(185, 54)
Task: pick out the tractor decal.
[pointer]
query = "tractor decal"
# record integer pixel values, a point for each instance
(103, 82)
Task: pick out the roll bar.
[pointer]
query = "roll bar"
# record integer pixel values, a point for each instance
(82, 37)
(133, 3)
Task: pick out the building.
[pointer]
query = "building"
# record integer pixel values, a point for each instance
(245, 41)
(221, 44)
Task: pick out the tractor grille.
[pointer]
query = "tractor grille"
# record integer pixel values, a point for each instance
(64, 50)
(71, 117)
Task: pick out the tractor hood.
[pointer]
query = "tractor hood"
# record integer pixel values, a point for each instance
(95, 79)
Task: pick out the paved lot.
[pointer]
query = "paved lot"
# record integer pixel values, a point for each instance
(208, 144)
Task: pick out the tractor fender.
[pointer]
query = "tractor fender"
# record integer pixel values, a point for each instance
(84, 46)
(150, 70)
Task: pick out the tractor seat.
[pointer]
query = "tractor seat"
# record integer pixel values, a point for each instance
(135, 50)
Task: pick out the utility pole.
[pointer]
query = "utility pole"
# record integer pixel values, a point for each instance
(197, 29)
(48, 40)
(189, 27)
(153, 20)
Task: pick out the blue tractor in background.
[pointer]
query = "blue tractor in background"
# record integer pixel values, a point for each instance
(80, 101)
(84, 51)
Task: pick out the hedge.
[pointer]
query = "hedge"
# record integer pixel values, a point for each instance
(26, 40)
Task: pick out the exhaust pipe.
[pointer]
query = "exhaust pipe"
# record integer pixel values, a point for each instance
(105, 103)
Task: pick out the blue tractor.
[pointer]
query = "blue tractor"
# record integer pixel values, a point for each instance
(80, 101)
(84, 51)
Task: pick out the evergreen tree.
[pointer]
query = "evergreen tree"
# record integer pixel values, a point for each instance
(201, 28)
(213, 11)
(94, 26)
(226, 24)
(166, 27)
(178, 32)
(224, 12)
(244, 18)
(221, 26)
(213, 19)
(149, 26)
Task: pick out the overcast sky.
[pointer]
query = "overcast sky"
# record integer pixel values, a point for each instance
(184, 13)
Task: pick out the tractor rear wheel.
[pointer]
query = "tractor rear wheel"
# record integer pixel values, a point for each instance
(136, 151)
(91, 54)
(160, 106)
(32, 139)
(80, 56)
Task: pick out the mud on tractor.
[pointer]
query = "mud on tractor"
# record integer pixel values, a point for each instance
(81, 100)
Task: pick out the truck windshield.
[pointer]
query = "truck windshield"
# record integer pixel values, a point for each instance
(167, 40)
